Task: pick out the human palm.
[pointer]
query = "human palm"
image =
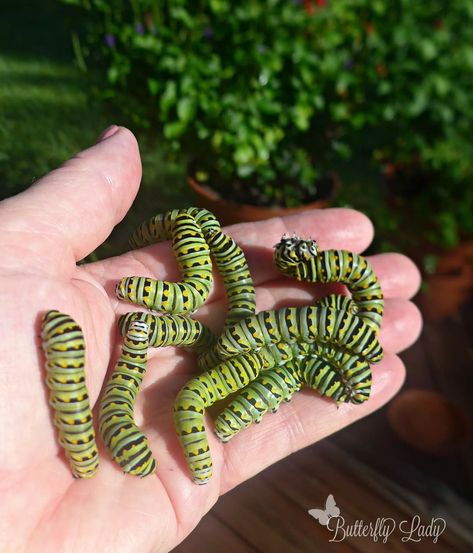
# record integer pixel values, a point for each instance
(45, 231)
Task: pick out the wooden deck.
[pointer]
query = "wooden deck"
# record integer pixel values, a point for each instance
(370, 472)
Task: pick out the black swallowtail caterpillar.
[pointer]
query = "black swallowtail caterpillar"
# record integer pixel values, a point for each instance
(64, 348)
(170, 330)
(193, 259)
(124, 440)
(264, 394)
(333, 373)
(300, 324)
(301, 259)
(241, 345)
(203, 391)
(194, 232)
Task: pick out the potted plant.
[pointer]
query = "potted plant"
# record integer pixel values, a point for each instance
(411, 65)
(237, 88)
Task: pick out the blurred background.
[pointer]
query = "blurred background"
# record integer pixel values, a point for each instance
(257, 108)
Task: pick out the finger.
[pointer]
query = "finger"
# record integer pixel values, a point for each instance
(73, 209)
(399, 276)
(307, 419)
(336, 228)
(401, 326)
(333, 228)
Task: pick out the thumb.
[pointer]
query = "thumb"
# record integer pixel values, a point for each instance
(74, 208)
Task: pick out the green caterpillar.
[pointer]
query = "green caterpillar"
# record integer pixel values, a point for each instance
(170, 330)
(122, 437)
(193, 259)
(264, 394)
(333, 373)
(204, 390)
(301, 259)
(195, 233)
(303, 324)
(64, 348)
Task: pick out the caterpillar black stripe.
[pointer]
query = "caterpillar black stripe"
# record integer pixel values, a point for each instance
(64, 348)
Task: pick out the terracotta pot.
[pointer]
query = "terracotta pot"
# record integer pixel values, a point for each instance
(229, 213)
(429, 421)
(451, 284)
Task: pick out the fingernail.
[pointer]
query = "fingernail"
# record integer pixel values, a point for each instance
(108, 132)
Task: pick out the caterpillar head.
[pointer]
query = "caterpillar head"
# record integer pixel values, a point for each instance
(138, 333)
(291, 251)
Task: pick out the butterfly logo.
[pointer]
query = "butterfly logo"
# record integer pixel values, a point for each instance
(324, 515)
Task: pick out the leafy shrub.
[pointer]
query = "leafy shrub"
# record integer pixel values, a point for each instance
(267, 96)
(234, 85)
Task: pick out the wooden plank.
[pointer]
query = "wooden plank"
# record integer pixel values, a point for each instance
(270, 522)
(364, 494)
(357, 502)
(309, 489)
(213, 536)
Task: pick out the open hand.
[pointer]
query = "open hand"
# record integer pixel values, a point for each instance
(44, 232)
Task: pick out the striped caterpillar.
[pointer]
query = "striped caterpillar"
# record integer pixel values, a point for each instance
(301, 259)
(248, 348)
(124, 440)
(64, 349)
(196, 234)
(193, 259)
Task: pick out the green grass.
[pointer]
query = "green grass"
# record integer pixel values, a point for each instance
(47, 113)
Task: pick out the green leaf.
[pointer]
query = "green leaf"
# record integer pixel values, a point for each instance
(153, 86)
(243, 154)
(302, 115)
(428, 49)
(113, 74)
(174, 129)
(168, 99)
(186, 108)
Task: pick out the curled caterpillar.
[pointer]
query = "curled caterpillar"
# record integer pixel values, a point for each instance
(200, 228)
(301, 259)
(64, 349)
(193, 259)
(336, 374)
(124, 440)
